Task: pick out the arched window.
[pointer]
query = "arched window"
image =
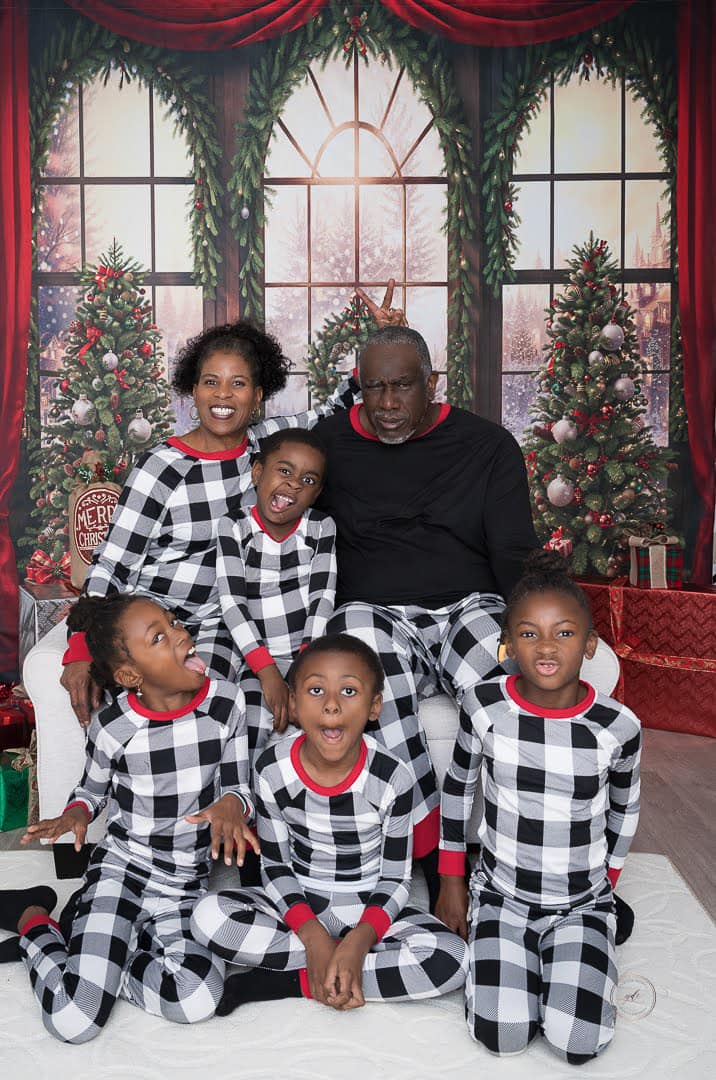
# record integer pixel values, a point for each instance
(591, 162)
(357, 187)
(116, 169)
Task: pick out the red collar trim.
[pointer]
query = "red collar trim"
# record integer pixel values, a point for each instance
(264, 528)
(175, 714)
(338, 789)
(357, 426)
(205, 455)
(551, 714)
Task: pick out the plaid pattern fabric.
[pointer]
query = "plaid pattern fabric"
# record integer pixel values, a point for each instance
(154, 768)
(276, 594)
(162, 539)
(417, 958)
(532, 970)
(259, 718)
(561, 793)
(423, 650)
(674, 567)
(349, 839)
(127, 940)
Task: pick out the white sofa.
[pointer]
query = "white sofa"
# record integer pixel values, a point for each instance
(61, 740)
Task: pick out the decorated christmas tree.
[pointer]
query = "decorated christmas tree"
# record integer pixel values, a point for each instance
(596, 474)
(111, 399)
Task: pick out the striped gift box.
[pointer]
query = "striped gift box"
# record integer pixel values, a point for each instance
(656, 562)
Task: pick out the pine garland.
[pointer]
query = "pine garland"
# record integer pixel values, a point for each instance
(373, 34)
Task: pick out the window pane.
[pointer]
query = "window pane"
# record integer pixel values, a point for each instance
(587, 126)
(338, 158)
(426, 311)
(652, 302)
(518, 393)
(286, 249)
(381, 232)
(172, 156)
(426, 242)
(646, 240)
(374, 89)
(173, 244)
(56, 308)
(641, 151)
(292, 400)
(441, 388)
(581, 207)
(656, 390)
(427, 157)
(532, 205)
(333, 233)
(335, 82)
(306, 119)
(58, 233)
(49, 390)
(64, 156)
(287, 318)
(374, 158)
(407, 117)
(116, 128)
(178, 313)
(524, 331)
(533, 148)
(325, 302)
(283, 158)
(118, 212)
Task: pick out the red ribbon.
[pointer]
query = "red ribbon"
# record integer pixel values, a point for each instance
(355, 36)
(43, 569)
(93, 335)
(119, 375)
(587, 422)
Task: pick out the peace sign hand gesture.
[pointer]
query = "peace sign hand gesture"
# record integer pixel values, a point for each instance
(385, 315)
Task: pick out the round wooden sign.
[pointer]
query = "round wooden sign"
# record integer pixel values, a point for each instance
(90, 512)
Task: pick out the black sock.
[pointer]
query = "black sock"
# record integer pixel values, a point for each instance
(625, 920)
(10, 950)
(261, 984)
(429, 865)
(14, 901)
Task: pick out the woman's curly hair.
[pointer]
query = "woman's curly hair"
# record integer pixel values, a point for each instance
(269, 367)
(545, 571)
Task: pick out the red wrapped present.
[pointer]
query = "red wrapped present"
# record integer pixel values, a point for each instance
(560, 541)
(666, 642)
(14, 728)
(656, 562)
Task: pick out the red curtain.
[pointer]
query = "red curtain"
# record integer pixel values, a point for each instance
(15, 274)
(199, 25)
(506, 22)
(695, 221)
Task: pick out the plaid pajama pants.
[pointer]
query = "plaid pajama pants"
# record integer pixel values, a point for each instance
(215, 646)
(417, 958)
(259, 718)
(126, 940)
(422, 651)
(531, 970)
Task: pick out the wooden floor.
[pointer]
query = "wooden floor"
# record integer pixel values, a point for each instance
(678, 809)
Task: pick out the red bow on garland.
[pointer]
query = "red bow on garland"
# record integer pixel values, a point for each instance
(587, 422)
(43, 569)
(355, 24)
(93, 335)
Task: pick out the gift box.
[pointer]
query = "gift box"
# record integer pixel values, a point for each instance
(41, 608)
(14, 727)
(656, 562)
(560, 542)
(14, 791)
(666, 643)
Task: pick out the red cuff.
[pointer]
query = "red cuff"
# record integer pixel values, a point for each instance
(85, 807)
(451, 863)
(38, 920)
(426, 834)
(304, 646)
(378, 918)
(297, 916)
(259, 658)
(77, 649)
(613, 876)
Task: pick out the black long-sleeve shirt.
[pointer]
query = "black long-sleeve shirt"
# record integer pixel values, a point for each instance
(430, 520)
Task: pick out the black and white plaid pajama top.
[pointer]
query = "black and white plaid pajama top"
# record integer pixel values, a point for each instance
(561, 805)
(275, 595)
(341, 855)
(130, 934)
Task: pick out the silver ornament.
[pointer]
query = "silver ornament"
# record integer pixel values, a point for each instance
(560, 492)
(245, 213)
(83, 411)
(564, 430)
(624, 388)
(139, 430)
(595, 357)
(110, 361)
(612, 337)
(97, 383)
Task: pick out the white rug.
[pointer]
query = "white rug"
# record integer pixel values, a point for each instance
(666, 1027)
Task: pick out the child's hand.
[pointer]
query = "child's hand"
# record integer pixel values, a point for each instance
(275, 690)
(320, 948)
(74, 820)
(451, 907)
(228, 827)
(344, 976)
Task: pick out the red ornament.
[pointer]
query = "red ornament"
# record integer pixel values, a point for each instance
(199, 181)
(142, 292)
(578, 496)
(605, 520)
(118, 418)
(90, 297)
(199, 204)
(114, 400)
(146, 348)
(507, 205)
(64, 386)
(592, 469)
(588, 266)
(607, 411)
(100, 435)
(591, 284)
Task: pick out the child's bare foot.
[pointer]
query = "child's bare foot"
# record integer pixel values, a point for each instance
(14, 903)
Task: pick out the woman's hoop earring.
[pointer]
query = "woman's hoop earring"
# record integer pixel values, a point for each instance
(193, 414)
